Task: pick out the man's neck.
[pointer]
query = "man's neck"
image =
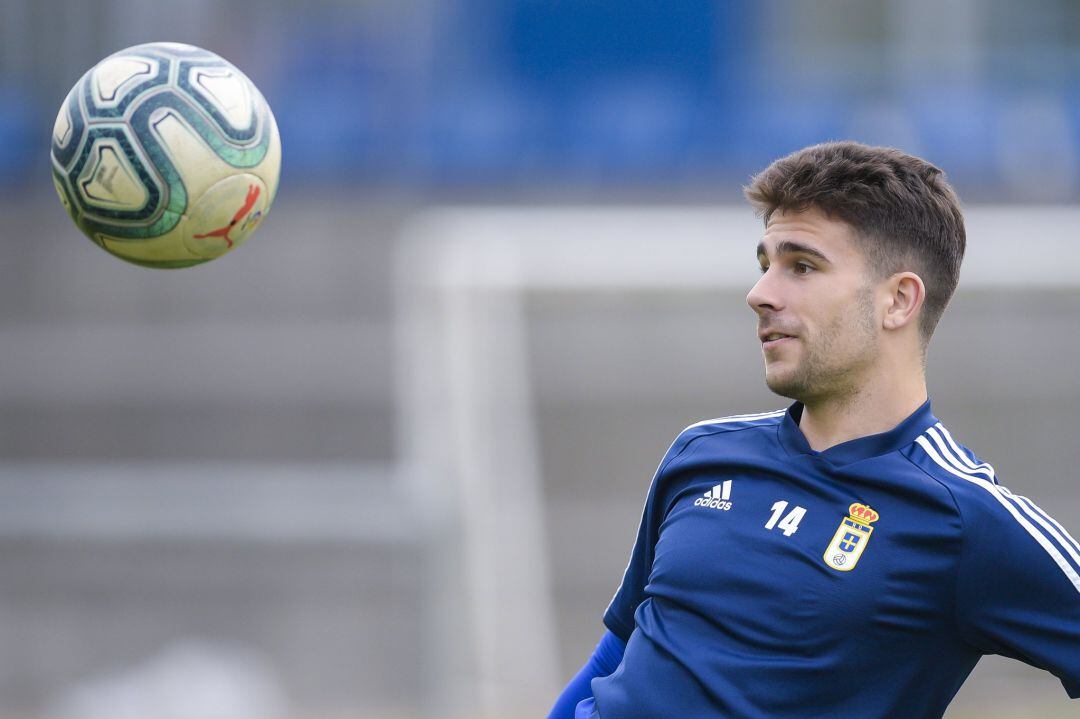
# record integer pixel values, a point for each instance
(871, 409)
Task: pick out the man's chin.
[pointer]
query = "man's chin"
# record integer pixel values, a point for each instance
(785, 385)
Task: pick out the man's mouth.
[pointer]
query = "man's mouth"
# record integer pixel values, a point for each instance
(774, 339)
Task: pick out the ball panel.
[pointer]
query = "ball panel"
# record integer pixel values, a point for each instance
(178, 49)
(71, 117)
(161, 248)
(227, 94)
(226, 215)
(167, 265)
(270, 168)
(109, 180)
(64, 195)
(114, 73)
(63, 126)
(116, 108)
(118, 137)
(237, 156)
(178, 143)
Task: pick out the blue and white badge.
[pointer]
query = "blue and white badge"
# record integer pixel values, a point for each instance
(851, 538)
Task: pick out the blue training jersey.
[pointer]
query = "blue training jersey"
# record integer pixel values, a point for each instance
(861, 582)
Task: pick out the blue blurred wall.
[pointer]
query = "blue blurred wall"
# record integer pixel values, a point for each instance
(614, 94)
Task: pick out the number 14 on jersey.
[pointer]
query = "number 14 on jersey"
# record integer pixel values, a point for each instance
(790, 522)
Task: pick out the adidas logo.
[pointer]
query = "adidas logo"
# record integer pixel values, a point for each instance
(719, 497)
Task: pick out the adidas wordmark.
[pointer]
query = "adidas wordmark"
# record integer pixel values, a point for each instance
(719, 497)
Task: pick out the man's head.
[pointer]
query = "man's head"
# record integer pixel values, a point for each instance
(861, 254)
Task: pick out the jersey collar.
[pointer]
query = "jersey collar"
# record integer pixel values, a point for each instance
(854, 450)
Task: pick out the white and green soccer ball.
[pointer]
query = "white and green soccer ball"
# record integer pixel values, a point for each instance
(166, 155)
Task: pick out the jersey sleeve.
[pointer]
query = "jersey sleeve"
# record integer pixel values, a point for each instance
(619, 617)
(1018, 586)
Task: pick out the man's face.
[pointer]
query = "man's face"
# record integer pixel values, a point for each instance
(815, 303)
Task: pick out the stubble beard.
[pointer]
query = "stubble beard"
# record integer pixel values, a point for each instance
(834, 359)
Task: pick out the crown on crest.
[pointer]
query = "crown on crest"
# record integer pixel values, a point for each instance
(863, 513)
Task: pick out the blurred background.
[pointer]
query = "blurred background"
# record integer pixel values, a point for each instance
(387, 460)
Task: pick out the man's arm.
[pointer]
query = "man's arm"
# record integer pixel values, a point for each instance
(1019, 586)
(604, 661)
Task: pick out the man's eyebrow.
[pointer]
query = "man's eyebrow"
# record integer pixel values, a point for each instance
(790, 247)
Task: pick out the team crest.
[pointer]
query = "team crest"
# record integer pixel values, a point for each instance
(851, 537)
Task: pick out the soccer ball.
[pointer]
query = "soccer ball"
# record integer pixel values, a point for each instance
(166, 155)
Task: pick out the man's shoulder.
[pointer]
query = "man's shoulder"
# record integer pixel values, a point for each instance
(734, 422)
(723, 426)
(1005, 532)
(987, 507)
(971, 481)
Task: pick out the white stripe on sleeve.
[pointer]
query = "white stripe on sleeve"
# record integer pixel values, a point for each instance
(1039, 516)
(739, 418)
(1028, 506)
(995, 492)
(984, 467)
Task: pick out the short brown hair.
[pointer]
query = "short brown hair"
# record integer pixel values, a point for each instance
(900, 206)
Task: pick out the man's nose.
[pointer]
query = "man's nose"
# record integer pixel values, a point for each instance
(765, 295)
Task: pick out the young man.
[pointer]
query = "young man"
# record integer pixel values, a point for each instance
(845, 558)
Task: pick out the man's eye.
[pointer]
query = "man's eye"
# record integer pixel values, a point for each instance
(802, 268)
(763, 269)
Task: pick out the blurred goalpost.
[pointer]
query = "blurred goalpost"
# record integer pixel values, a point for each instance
(467, 427)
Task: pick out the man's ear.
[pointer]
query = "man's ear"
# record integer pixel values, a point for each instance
(907, 293)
